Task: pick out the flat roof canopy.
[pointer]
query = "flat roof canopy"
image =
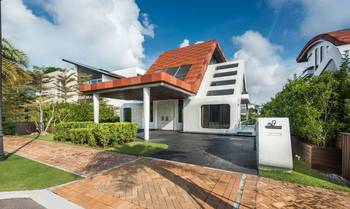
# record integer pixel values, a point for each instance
(159, 91)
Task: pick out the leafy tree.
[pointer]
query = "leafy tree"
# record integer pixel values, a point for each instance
(317, 107)
(39, 82)
(82, 79)
(66, 84)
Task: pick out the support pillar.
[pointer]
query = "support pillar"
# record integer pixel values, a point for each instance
(96, 101)
(146, 110)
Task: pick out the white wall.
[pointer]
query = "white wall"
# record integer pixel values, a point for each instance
(130, 72)
(192, 106)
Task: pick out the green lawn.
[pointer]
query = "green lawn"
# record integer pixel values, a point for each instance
(139, 148)
(48, 137)
(18, 173)
(302, 174)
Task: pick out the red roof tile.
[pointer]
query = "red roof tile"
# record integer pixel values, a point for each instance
(197, 55)
(338, 38)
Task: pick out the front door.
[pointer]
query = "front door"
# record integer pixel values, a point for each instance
(165, 115)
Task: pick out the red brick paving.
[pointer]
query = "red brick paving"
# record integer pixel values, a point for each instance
(158, 184)
(264, 193)
(78, 159)
(155, 184)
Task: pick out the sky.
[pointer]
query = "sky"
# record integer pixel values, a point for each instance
(114, 34)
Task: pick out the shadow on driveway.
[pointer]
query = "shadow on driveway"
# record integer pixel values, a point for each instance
(232, 153)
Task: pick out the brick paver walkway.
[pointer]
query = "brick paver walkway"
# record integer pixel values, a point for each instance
(78, 159)
(146, 183)
(264, 193)
(155, 184)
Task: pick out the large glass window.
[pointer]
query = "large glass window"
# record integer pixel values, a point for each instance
(180, 109)
(127, 114)
(216, 116)
(179, 72)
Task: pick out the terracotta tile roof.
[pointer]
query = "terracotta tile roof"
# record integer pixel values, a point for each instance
(197, 55)
(338, 38)
(138, 80)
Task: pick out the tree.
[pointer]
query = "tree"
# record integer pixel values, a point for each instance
(40, 81)
(82, 79)
(11, 60)
(66, 84)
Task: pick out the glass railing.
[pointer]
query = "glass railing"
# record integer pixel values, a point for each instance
(97, 80)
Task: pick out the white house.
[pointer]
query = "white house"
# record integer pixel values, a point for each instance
(96, 75)
(190, 89)
(324, 52)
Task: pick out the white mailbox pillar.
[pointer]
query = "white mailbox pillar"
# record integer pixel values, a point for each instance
(96, 101)
(146, 110)
(274, 147)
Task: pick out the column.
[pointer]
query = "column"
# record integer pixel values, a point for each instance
(146, 106)
(96, 100)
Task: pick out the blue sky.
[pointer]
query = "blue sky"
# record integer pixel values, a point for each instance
(114, 34)
(176, 20)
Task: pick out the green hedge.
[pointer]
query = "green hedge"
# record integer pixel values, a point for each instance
(101, 134)
(9, 128)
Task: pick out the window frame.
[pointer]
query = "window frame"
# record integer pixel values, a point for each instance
(223, 123)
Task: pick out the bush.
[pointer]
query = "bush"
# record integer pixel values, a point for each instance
(62, 130)
(101, 134)
(82, 136)
(9, 128)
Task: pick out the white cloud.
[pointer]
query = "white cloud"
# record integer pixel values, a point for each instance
(320, 15)
(185, 43)
(325, 15)
(266, 72)
(106, 33)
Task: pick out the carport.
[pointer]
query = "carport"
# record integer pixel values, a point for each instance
(232, 153)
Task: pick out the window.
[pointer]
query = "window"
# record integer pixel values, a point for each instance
(220, 92)
(227, 66)
(217, 75)
(151, 112)
(321, 53)
(179, 72)
(222, 83)
(180, 109)
(127, 114)
(316, 57)
(216, 116)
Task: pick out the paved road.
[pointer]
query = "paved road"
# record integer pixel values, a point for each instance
(231, 153)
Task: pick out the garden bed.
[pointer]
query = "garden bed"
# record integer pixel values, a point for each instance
(327, 159)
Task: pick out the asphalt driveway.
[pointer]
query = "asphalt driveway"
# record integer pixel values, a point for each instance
(231, 153)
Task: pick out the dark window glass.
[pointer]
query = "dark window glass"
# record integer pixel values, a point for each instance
(179, 72)
(180, 109)
(227, 66)
(172, 71)
(217, 75)
(316, 57)
(225, 82)
(220, 92)
(151, 112)
(321, 53)
(216, 116)
(182, 72)
(127, 114)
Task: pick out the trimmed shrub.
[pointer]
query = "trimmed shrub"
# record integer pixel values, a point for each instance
(62, 130)
(9, 128)
(82, 136)
(102, 134)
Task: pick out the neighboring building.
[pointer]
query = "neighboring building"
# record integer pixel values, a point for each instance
(95, 75)
(190, 89)
(324, 52)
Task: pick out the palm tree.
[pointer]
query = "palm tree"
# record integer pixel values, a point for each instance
(12, 63)
(66, 84)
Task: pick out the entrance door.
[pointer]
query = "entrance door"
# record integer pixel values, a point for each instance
(165, 115)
